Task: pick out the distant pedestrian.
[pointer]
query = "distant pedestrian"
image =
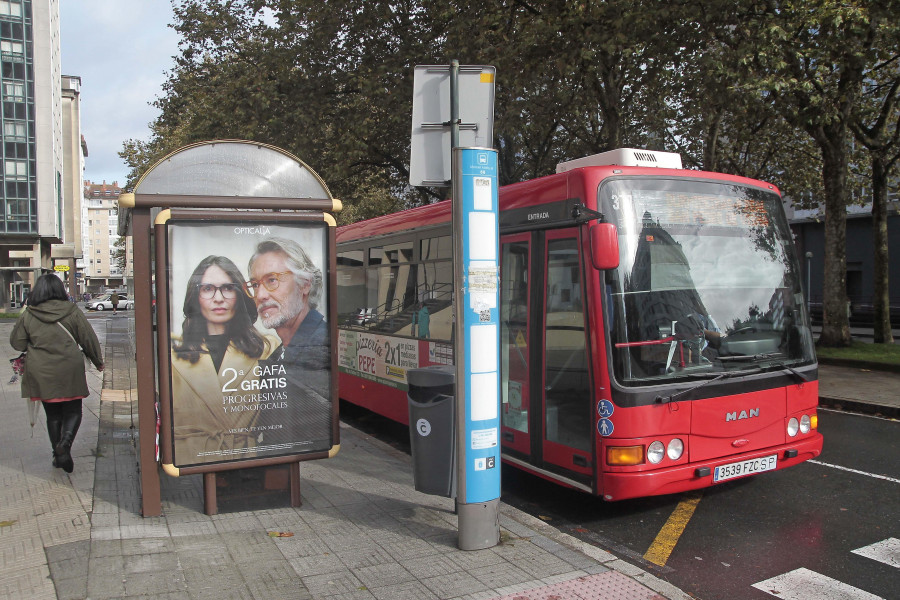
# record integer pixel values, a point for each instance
(56, 337)
(114, 299)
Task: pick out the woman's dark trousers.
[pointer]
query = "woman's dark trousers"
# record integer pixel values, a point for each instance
(63, 420)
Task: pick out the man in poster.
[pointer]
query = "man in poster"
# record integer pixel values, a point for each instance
(287, 288)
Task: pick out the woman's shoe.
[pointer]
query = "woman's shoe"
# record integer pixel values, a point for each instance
(71, 421)
(63, 455)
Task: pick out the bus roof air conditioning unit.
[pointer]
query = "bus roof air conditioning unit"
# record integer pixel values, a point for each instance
(626, 157)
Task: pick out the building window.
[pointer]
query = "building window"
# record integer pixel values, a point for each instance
(13, 91)
(17, 210)
(14, 129)
(13, 70)
(8, 47)
(12, 9)
(15, 169)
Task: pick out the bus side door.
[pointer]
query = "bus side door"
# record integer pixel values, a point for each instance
(515, 308)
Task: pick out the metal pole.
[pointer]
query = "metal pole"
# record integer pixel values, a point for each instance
(475, 250)
(478, 518)
(454, 104)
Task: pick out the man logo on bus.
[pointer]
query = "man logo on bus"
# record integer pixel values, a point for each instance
(734, 416)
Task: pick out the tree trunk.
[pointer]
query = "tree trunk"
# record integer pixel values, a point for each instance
(711, 148)
(882, 299)
(835, 321)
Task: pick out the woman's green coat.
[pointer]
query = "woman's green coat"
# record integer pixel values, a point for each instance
(54, 367)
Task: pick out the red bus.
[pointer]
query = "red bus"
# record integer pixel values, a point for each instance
(654, 337)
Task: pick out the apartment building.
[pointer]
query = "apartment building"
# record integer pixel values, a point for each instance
(67, 257)
(99, 236)
(33, 209)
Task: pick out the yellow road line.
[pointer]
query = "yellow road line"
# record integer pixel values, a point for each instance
(665, 541)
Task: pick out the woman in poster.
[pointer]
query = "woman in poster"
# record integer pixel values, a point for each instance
(213, 367)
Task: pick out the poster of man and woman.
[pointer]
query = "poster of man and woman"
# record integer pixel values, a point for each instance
(250, 362)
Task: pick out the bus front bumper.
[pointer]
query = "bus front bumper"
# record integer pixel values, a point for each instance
(692, 476)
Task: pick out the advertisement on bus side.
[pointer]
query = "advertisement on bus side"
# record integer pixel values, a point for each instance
(386, 359)
(250, 344)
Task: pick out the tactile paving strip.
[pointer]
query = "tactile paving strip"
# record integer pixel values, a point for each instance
(610, 585)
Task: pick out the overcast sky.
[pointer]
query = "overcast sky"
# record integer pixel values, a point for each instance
(120, 49)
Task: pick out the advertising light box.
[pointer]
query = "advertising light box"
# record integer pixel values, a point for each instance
(250, 350)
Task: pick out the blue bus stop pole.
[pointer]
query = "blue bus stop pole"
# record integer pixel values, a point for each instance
(476, 310)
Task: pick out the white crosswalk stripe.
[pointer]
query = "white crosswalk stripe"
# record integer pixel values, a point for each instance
(803, 584)
(886, 551)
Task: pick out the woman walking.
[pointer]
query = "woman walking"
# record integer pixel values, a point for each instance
(50, 330)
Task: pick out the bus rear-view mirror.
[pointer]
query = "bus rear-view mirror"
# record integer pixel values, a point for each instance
(604, 246)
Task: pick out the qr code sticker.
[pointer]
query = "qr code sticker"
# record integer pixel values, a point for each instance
(484, 316)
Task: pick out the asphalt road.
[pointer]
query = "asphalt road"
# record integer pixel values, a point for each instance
(805, 522)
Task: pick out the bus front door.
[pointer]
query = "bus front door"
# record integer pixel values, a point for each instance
(566, 381)
(545, 386)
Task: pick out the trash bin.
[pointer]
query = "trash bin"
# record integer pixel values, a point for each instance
(432, 429)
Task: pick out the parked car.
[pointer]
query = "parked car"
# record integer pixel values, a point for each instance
(104, 303)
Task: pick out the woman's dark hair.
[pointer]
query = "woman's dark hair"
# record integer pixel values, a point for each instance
(240, 330)
(47, 287)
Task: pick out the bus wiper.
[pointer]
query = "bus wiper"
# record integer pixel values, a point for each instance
(749, 357)
(796, 373)
(725, 375)
(770, 355)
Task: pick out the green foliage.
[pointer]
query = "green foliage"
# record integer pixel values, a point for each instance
(878, 353)
(119, 256)
(755, 87)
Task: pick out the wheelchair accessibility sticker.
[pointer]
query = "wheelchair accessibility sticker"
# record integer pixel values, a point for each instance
(605, 409)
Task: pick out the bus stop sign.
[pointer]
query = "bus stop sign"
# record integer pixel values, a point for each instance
(429, 163)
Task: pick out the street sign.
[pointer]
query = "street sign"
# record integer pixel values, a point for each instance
(61, 268)
(429, 163)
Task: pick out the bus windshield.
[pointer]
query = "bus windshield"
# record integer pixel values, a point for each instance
(708, 281)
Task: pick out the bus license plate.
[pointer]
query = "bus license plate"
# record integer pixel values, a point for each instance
(745, 467)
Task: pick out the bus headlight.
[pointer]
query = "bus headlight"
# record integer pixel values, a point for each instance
(675, 449)
(805, 424)
(793, 427)
(624, 456)
(655, 452)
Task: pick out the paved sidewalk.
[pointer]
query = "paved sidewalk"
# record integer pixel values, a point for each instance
(363, 532)
(860, 389)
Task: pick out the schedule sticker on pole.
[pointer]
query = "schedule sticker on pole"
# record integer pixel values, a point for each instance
(481, 321)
